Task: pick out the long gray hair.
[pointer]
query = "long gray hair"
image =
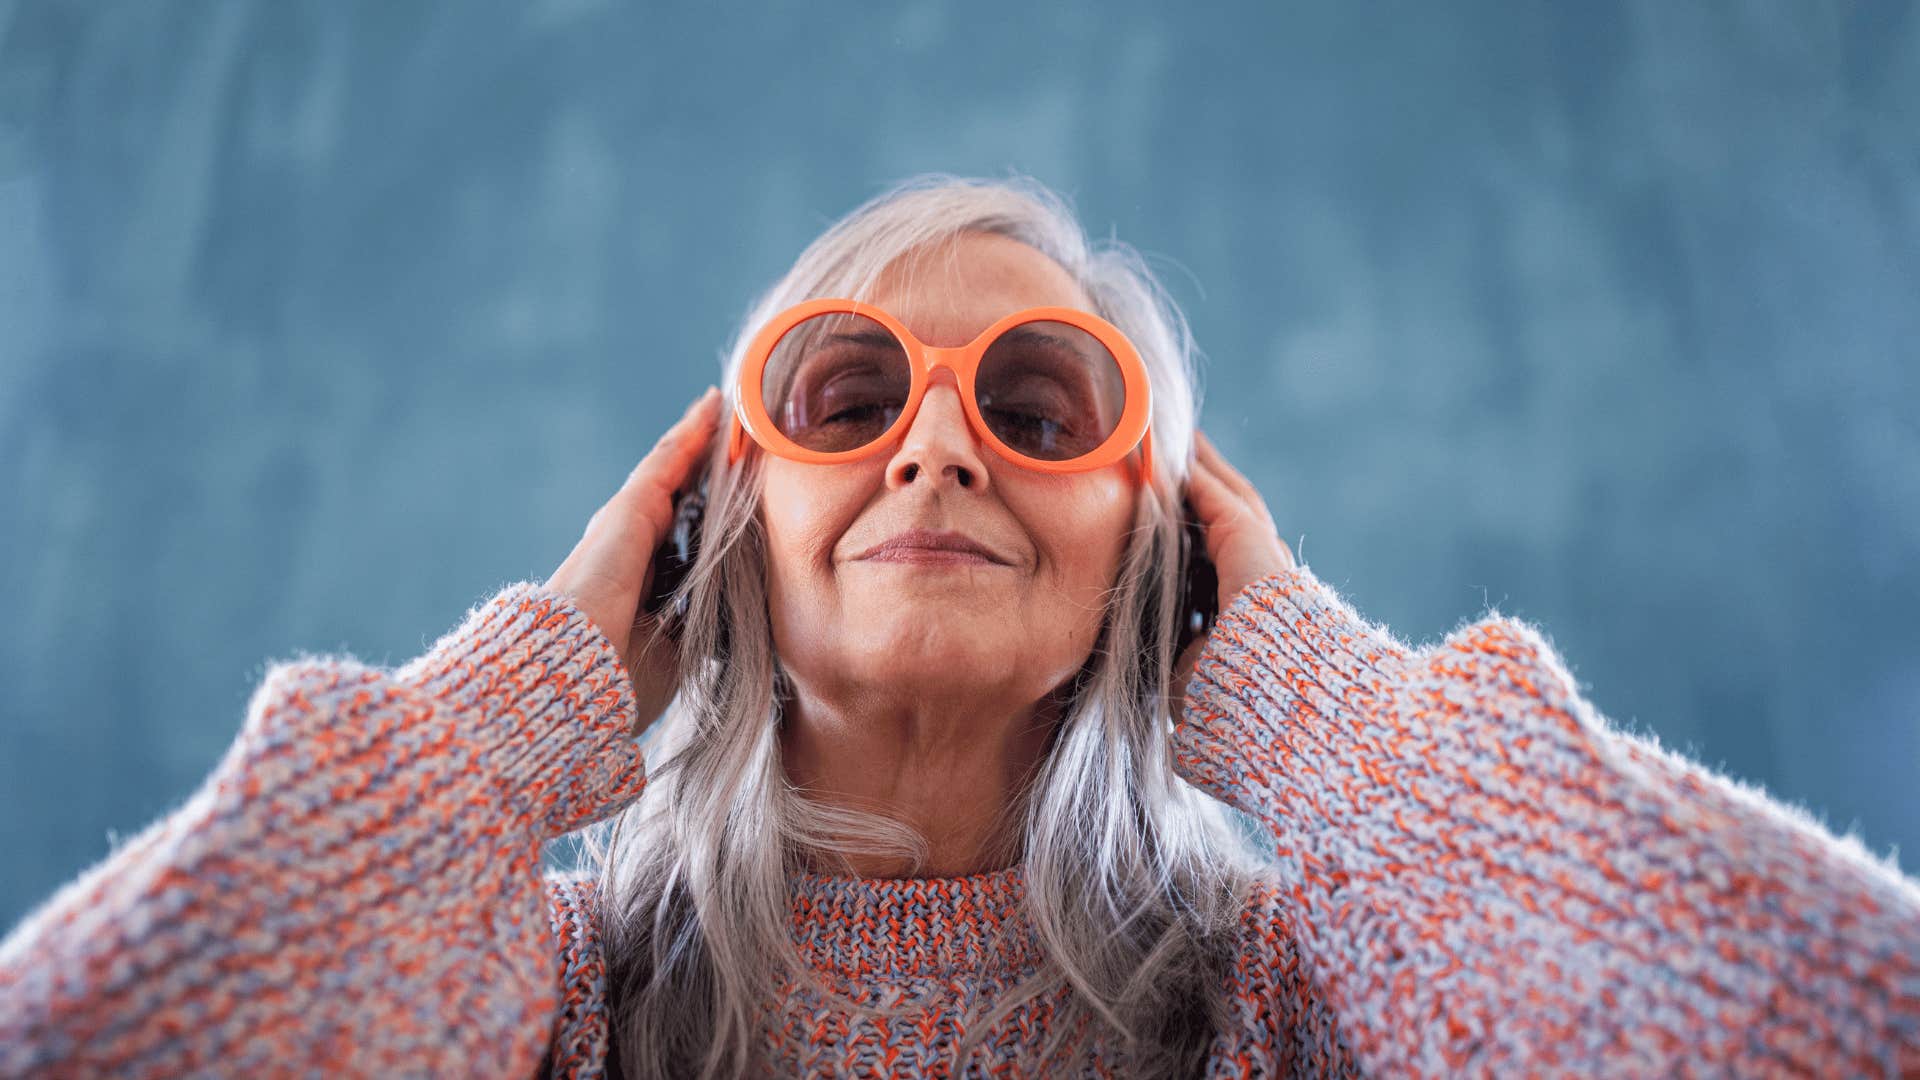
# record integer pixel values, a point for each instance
(1134, 880)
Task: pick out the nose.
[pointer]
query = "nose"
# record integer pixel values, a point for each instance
(939, 445)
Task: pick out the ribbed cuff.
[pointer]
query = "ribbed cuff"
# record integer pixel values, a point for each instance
(357, 882)
(519, 720)
(1478, 856)
(1291, 680)
(1371, 760)
(545, 690)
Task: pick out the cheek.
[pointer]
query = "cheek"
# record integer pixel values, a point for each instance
(804, 517)
(1081, 532)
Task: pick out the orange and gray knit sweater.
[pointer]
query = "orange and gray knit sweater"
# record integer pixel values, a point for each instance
(1475, 873)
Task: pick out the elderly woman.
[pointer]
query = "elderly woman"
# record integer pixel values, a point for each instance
(932, 789)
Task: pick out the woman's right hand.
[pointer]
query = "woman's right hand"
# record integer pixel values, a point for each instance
(611, 567)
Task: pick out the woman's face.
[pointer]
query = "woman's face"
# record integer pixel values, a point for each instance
(997, 633)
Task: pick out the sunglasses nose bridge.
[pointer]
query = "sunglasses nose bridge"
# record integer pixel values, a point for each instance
(951, 359)
(943, 358)
(936, 358)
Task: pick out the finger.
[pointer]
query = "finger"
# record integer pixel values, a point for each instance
(1218, 464)
(682, 440)
(1229, 507)
(1209, 481)
(644, 500)
(1214, 503)
(1210, 455)
(1238, 483)
(1207, 461)
(665, 468)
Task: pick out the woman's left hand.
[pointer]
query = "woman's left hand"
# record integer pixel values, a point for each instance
(1242, 540)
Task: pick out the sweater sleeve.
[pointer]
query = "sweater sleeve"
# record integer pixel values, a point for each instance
(1486, 876)
(581, 1034)
(357, 887)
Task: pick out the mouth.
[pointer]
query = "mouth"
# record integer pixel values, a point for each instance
(931, 547)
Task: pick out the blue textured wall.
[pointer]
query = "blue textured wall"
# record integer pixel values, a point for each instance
(318, 321)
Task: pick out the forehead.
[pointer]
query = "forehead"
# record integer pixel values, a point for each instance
(949, 293)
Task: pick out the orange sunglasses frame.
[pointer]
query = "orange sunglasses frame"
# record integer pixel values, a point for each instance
(751, 420)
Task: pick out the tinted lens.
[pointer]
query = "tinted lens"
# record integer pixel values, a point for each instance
(1050, 390)
(836, 382)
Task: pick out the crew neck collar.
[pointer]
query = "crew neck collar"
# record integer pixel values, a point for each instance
(913, 926)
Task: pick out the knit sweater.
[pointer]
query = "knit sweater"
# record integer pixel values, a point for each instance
(1474, 872)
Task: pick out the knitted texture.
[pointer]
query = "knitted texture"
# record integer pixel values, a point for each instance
(357, 885)
(1489, 878)
(1476, 874)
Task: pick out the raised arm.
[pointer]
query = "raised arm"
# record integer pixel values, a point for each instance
(1487, 876)
(357, 885)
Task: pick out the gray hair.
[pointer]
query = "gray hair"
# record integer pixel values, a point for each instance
(1135, 881)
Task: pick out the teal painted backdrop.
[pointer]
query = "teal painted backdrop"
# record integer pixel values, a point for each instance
(319, 321)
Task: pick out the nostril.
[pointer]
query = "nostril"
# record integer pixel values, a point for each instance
(962, 475)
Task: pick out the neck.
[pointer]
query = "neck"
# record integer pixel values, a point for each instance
(955, 772)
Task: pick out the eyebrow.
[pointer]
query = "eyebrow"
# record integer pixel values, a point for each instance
(868, 337)
(1027, 334)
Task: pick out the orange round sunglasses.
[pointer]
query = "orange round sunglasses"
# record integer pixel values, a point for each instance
(1053, 389)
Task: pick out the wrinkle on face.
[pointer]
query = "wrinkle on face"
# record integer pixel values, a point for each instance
(929, 690)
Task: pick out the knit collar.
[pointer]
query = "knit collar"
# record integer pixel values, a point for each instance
(914, 926)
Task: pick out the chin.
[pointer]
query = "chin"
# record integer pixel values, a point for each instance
(996, 600)
(942, 636)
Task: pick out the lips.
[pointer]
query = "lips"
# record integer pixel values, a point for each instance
(928, 545)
